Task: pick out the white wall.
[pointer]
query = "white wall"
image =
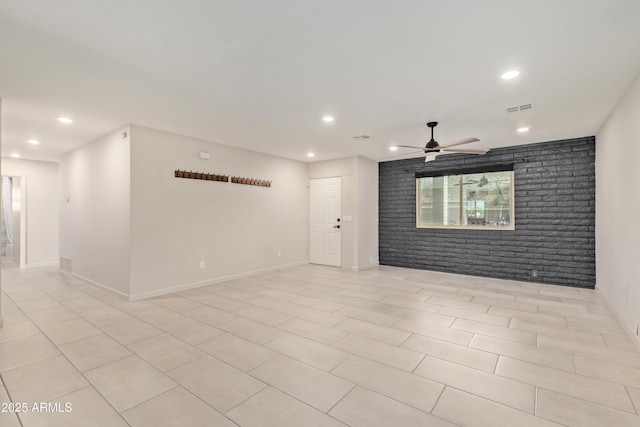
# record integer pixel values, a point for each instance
(94, 220)
(331, 168)
(617, 207)
(40, 202)
(235, 229)
(1, 169)
(366, 212)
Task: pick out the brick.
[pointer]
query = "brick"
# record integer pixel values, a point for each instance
(555, 217)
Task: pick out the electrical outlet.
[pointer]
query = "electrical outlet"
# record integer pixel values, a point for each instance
(202, 265)
(534, 273)
(279, 253)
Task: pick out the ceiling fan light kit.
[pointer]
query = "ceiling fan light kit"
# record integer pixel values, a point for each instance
(433, 148)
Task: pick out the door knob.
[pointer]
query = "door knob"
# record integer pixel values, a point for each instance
(336, 226)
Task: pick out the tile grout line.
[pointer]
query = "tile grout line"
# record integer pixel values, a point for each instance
(90, 384)
(635, 406)
(10, 399)
(331, 346)
(163, 373)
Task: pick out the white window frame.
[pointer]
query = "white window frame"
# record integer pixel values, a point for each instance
(512, 222)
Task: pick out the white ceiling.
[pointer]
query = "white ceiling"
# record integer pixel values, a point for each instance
(261, 74)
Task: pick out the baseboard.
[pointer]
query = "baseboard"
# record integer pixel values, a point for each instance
(187, 286)
(365, 267)
(93, 282)
(193, 285)
(41, 265)
(634, 338)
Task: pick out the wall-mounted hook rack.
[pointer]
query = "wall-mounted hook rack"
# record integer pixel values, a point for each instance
(250, 181)
(201, 175)
(221, 178)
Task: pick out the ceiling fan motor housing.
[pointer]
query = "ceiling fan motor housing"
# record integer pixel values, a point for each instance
(432, 146)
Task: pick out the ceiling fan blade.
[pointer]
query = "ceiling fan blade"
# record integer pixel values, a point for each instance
(412, 146)
(466, 151)
(460, 142)
(404, 154)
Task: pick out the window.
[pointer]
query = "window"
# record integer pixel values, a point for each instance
(473, 200)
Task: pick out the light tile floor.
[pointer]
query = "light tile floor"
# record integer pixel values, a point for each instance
(316, 346)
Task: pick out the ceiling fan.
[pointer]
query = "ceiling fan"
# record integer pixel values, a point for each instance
(433, 147)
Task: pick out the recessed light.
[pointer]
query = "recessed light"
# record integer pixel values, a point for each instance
(328, 119)
(33, 142)
(523, 129)
(310, 154)
(510, 75)
(15, 155)
(393, 148)
(65, 120)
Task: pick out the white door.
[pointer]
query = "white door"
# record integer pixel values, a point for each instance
(325, 233)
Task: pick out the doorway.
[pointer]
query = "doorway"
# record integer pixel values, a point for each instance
(12, 224)
(325, 234)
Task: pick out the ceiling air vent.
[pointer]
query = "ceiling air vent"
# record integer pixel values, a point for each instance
(522, 107)
(362, 137)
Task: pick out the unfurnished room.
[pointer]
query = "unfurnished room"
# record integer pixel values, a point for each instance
(319, 213)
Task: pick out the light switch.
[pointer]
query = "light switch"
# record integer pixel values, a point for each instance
(347, 218)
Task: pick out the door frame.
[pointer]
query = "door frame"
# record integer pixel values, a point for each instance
(23, 218)
(339, 178)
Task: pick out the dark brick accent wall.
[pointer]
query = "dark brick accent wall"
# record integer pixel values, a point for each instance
(554, 217)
